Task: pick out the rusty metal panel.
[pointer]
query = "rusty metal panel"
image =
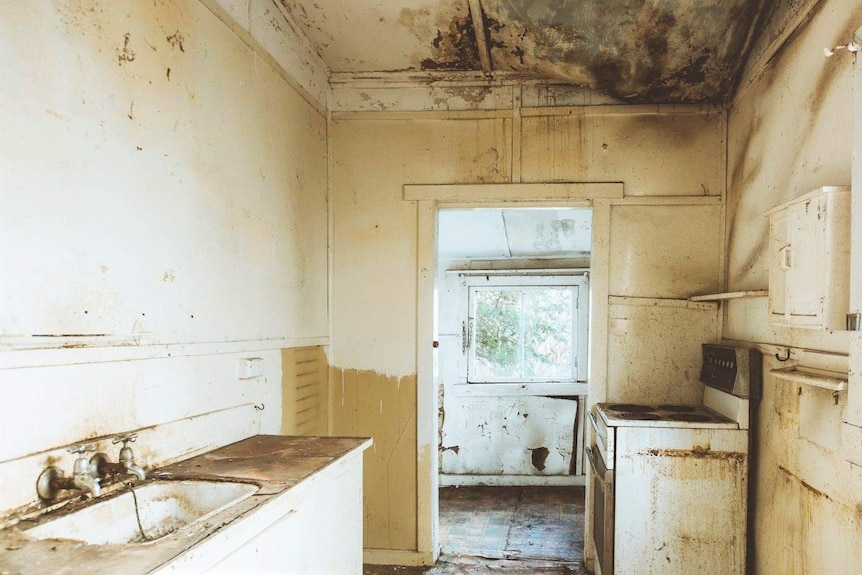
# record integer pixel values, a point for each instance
(680, 501)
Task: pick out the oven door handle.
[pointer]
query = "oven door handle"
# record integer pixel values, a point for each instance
(593, 422)
(601, 472)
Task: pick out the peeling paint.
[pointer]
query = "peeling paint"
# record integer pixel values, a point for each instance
(369, 404)
(455, 47)
(538, 455)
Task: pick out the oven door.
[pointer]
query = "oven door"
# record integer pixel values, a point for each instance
(603, 511)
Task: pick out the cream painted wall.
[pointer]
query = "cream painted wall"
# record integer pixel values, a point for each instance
(655, 151)
(790, 132)
(163, 194)
(149, 182)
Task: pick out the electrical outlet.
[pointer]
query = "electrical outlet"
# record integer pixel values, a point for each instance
(250, 367)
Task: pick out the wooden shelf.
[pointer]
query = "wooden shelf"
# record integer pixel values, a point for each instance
(815, 377)
(730, 295)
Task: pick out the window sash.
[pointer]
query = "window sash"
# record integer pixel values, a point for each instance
(569, 284)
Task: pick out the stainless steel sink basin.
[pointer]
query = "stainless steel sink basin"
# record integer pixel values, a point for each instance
(146, 513)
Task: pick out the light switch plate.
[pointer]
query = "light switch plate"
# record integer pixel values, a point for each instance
(250, 367)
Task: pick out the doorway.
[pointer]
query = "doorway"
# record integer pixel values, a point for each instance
(512, 301)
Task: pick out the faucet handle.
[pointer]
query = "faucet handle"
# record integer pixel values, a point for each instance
(124, 439)
(82, 448)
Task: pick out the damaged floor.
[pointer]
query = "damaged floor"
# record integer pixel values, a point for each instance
(500, 530)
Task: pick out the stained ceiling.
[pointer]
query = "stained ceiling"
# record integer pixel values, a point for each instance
(644, 51)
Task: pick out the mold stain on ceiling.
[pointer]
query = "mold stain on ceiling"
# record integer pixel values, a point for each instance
(457, 48)
(639, 51)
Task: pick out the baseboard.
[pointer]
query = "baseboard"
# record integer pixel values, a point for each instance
(396, 557)
(513, 480)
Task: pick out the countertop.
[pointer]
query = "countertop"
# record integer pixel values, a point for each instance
(279, 465)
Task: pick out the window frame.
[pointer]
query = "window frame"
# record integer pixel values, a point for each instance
(576, 279)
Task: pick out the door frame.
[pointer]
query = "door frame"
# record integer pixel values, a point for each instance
(429, 200)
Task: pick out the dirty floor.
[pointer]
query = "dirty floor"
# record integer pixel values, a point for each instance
(499, 530)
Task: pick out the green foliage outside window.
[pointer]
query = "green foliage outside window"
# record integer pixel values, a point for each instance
(523, 333)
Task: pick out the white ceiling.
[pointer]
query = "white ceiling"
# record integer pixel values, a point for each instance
(514, 233)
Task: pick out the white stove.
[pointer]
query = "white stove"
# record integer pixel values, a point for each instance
(669, 482)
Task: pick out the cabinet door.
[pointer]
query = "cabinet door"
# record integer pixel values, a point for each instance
(321, 535)
(806, 226)
(779, 245)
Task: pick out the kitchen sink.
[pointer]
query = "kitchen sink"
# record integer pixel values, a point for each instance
(145, 513)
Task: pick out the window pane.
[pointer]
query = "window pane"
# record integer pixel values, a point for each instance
(498, 341)
(548, 333)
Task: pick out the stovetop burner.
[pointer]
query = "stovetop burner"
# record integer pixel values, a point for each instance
(665, 415)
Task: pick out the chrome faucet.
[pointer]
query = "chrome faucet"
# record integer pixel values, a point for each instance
(85, 476)
(126, 463)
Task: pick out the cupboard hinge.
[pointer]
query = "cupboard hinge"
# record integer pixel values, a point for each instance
(854, 321)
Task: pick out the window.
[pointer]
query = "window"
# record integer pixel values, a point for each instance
(526, 328)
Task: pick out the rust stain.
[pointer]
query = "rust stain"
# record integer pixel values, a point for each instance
(808, 487)
(441, 414)
(51, 460)
(699, 453)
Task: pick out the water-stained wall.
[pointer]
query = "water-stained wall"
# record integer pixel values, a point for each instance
(790, 132)
(163, 219)
(668, 151)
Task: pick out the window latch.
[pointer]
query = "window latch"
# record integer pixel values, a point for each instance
(466, 336)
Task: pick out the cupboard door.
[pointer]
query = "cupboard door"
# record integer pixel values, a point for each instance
(809, 260)
(321, 535)
(807, 264)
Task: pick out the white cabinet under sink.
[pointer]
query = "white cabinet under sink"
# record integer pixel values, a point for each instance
(809, 260)
(320, 534)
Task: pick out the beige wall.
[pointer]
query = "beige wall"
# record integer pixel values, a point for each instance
(304, 391)
(654, 151)
(790, 132)
(163, 193)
